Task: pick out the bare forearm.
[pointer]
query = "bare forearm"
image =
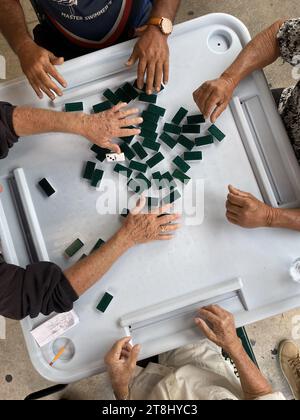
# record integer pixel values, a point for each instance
(165, 8)
(254, 384)
(83, 275)
(286, 219)
(13, 25)
(259, 53)
(30, 121)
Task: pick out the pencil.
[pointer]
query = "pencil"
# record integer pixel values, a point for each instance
(61, 351)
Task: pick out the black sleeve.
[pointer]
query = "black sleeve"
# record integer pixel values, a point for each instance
(40, 288)
(7, 133)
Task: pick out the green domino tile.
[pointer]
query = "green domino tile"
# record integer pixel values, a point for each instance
(74, 248)
(150, 135)
(101, 157)
(100, 151)
(130, 91)
(151, 145)
(104, 302)
(192, 156)
(75, 107)
(214, 131)
(182, 165)
(204, 141)
(155, 160)
(195, 119)
(185, 142)
(157, 110)
(104, 106)
(191, 129)
(139, 150)
(144, 182)
(150, 117)
(168, 140)
(171, 128)
(89, 170)
(151, 99)
(158, 180)
(47, 187)
(128, 152)
(147, 125)
(98, 245)
(122, 170)
(122, 96)
(179, 116)
(181, 176)
(170, 199)
(125, 213)
(152, 202)
(168, 181)
(109, 95)
(137, 166)
(97, 177)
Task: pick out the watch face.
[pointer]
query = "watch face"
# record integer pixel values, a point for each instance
(166, 26)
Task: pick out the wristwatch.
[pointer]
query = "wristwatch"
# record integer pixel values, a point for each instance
(164, 24)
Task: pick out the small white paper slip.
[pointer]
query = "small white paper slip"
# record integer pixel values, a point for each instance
(54, 327)
(115, 157)
(2, 328)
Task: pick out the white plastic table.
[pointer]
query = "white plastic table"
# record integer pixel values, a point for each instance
(157, 287)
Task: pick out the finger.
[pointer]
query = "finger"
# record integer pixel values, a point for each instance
(134, 354)
(118, 346)
(128, 113)
(217, 310)
(166, 70)
(170, 228)
(237, 201)
(204, 328)
(140, 205)
(117, 107)
(202, 95)
(166, 237)
(150, 78)
(164, 220)
(141, 73)
(209, 316)
(35, 85)
(114, 148)
(133, 59)
(211, 104)
(128, 122)
(49, 85)
(240, 193)
(231, 208)
(158, 76)
(54, 73)
(48, 92)
(218, 111)
(128, 132)
(233, 220)
(231, 216)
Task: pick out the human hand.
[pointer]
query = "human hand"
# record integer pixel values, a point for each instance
(214, 96)
(38, 64)
(101, 128)
(244, 210)
(219, 327)
(156, 226)
(121, 363)
(152, 52)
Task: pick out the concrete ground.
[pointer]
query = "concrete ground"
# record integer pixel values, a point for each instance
(17, 376)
